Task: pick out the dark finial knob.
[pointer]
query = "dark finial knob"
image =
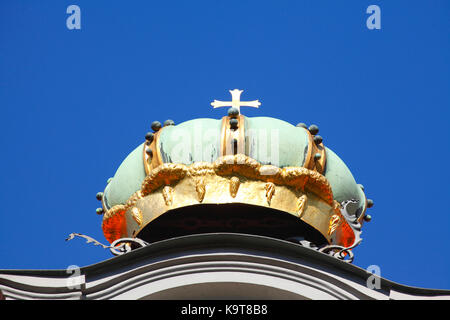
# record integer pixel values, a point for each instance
(234, 123)
(156, 125)
(99, 196)
(99, 211)
(369, 203)
(318, 139)
(313, 129)
(302, 125)
(233, 112)
(367, 217)
(149, 137)
(317, 156)
(169, 123)
(149, 152)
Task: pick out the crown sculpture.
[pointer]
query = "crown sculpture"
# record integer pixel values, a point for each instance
(256, 175)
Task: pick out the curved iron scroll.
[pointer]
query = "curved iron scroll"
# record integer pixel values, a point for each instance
(117, 247)
(336, 251)
(340, 252)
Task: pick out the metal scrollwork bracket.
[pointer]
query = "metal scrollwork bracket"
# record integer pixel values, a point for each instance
(117, 247)
(125, 245)
(340, 252)
(336, 251)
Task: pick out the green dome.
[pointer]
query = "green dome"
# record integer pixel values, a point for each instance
(191, 141)
(263, 133)
(267, 140)
(127, 180)
(342, 182)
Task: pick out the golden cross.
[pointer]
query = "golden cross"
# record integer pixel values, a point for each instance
(236, 101)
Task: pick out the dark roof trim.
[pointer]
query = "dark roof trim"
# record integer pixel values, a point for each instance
(212, 241)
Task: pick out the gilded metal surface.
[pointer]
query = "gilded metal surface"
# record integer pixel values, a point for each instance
(167, 193)
(270, 190)
(320, 164)
(114, 222)
(136, 213)
(336, 204)
(155, 160)
(164, 174)
(200, 187)
(313, 148)
(123, 207)
(234, 186)
(334, 223)
(301, 192)
(228, 136)
(301, 204)
(225, 127)
(309, 158)
(239, 135)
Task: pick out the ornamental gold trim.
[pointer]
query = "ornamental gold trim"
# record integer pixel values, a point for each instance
(234, 186)
(297, 177)
(237, 178)
(313, 149)
(200, 188)
(136, 213)
(232, 178)
(155, 159)
(270, 190)
(114, 222)
(301, 205)
(228, 135)
(131, 202)
(167, 193)
(334, 223)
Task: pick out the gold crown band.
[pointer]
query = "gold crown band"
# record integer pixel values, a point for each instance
(299, 191)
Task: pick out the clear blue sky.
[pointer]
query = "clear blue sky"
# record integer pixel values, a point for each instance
(74, 103)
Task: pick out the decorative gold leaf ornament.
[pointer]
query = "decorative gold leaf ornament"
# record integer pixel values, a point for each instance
(168, 195)
(200, 187)
(301, 204)
(136, 213)
(270, 190)
(234, 186)
(334, 223)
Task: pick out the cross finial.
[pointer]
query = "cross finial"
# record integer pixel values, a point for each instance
(236, 101)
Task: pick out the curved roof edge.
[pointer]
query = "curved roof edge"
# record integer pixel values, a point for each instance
(211, 266)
